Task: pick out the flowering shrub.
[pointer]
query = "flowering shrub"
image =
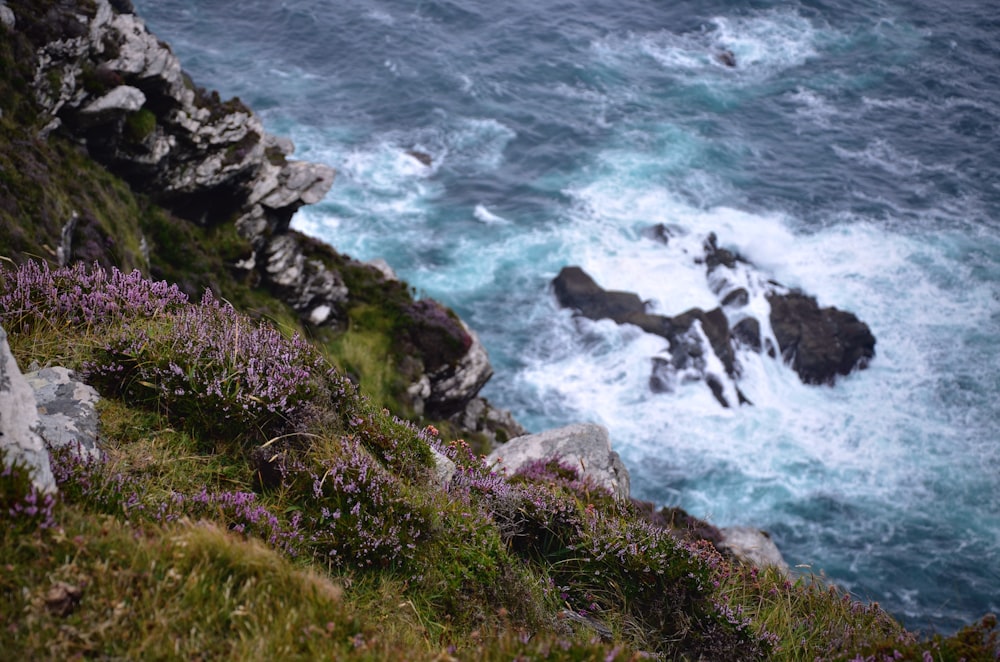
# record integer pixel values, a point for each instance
(34, 294)
(603, 558)
(355, 511)
(213, 369)
(241, 512)
(22, 505)
(561, 477)
(82, 478)
(398, 444)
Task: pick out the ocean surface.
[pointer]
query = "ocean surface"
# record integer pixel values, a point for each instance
(853, 151)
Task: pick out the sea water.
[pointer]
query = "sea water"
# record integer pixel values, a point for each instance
(853, 152)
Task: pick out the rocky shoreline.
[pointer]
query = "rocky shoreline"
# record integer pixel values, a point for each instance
(107, 83)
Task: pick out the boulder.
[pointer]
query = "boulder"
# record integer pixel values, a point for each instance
(67, 410)
(819, 343)
(583, 445)
(19, 422)
(752, 546)
(444, 468)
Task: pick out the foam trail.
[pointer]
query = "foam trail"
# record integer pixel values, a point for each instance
(484, 215)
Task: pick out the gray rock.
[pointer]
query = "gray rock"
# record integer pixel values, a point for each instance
(444, 469)
(297, 183)
(583, 445)
(383, 267)
(7, 16)
(67, 409)
(306, 284)
(753, 546)
(453, 386)
(497, 425)
(19, 420)
(122, 99)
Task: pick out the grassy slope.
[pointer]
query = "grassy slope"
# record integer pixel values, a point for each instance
(115, 577)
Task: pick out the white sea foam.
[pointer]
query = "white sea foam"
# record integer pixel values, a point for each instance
(762, 44)
(484, 215)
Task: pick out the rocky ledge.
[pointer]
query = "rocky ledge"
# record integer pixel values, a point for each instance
(819, 343)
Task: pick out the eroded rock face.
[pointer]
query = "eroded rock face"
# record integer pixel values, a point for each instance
(19, 421)
(453, 385)
(313, 290)
(497, 425)
(583, 445)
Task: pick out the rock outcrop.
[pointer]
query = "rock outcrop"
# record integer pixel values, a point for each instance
(497, 425)
(587, 447)
(110, 83)
(582, 445)
(19, 438)
(820, 344)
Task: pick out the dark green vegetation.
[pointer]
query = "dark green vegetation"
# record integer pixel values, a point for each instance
(255, 504)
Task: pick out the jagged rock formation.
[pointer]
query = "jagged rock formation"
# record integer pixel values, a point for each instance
(107, 81)
(583, 445)
(820, 344)
(104, 81)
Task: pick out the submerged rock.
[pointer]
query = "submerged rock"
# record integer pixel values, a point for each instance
(820, 344)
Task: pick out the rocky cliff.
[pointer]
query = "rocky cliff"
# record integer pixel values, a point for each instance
(88, 77)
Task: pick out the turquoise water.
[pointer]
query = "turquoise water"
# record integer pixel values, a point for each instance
(854, 151)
